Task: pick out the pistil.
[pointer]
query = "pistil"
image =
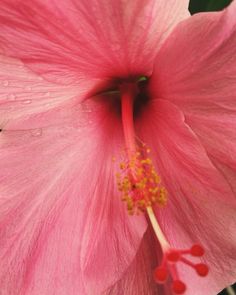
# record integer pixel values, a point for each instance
(142, 190)
(128, 93)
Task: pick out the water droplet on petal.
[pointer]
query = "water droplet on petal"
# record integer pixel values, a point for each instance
(5, 83)
(27, 101)
(36, 132)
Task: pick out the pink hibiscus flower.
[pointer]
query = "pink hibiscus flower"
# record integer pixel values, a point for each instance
(102, 100)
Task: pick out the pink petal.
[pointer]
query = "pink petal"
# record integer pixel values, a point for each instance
(205, 73)
(201, 207)
(216, 129)
(202, 82)
(64, 229)
(24, 94)
(89, 38)
(138, 279)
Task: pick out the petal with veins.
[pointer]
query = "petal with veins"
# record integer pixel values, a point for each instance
(65, 40)
(202, 82)
(205, 74)
(138, 279)
(24, 94)
(201, 207)
(63, 227)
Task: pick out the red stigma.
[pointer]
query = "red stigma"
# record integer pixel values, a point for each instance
(173, 256)
(202, 269)
(178, 287)
(160, 275)
(197, 250)
(168, 267)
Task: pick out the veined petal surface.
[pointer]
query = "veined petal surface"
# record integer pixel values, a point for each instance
(24, 94)
(201, 205)
(138, 279)
(63, 227)
(91, 38)
(202, 82)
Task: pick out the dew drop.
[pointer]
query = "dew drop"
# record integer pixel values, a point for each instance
(26, 101)
(11, 96)
(5, 83)
(36, 132)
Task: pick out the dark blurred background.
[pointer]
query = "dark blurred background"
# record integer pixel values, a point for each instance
(207, 5)
(196, 6)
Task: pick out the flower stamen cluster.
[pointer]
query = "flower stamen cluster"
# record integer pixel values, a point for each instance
(139, 183)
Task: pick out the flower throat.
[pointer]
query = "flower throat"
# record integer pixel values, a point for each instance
(143, 192)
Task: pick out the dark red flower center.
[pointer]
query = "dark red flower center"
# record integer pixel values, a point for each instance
(113, 92)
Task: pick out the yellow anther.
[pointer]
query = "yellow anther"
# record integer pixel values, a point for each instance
(148, 161)
(139, 183)
(122, 166)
